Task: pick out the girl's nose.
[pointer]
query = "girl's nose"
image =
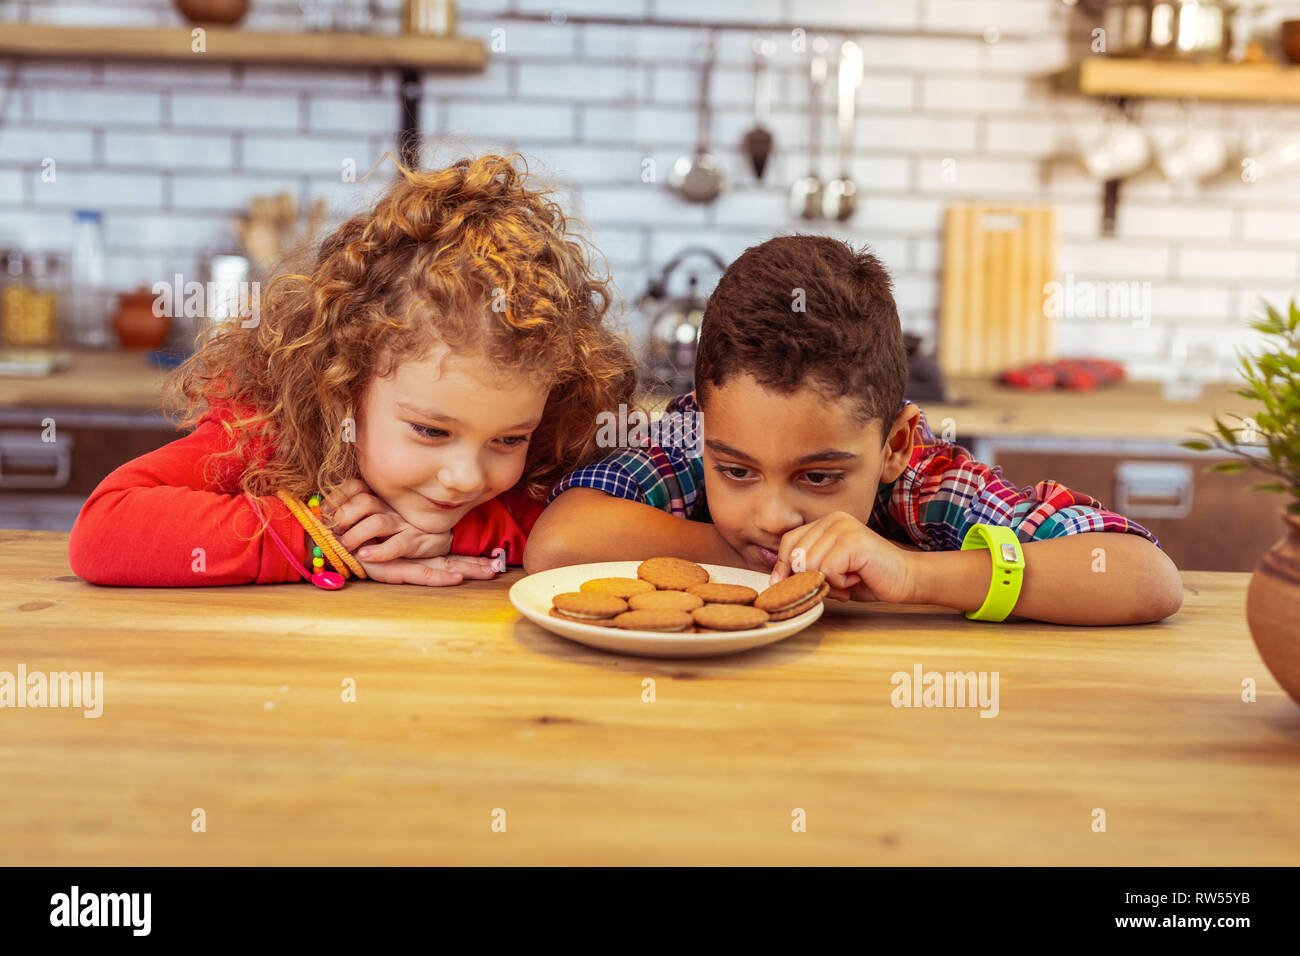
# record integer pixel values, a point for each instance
(462, 475)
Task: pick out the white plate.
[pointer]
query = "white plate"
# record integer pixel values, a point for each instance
(532, 596)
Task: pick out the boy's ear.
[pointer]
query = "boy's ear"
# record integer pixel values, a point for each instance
(898, 445)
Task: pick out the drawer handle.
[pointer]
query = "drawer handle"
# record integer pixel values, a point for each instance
(25, 449)
(1148, 489)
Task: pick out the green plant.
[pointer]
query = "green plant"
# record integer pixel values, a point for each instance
(1273, 379)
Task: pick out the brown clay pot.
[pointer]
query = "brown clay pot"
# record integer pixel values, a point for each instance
(1273, 608)
(213, 11)
(135, 323)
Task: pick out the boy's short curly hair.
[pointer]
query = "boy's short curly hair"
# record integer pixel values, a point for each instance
(806, 310)
(472, 256)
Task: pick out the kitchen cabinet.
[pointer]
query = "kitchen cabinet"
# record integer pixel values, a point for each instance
(1119, 444)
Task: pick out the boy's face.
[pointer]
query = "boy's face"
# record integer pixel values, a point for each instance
(774, 462)
(444, 434)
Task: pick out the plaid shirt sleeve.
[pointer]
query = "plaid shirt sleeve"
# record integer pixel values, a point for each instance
(943, 491)
(668, 476)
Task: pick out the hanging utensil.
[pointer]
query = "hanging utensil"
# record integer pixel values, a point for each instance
(758, 141)
(840, 198)
(700, 178)
(806, 193)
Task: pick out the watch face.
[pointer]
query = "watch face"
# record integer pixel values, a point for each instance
(1009, 553)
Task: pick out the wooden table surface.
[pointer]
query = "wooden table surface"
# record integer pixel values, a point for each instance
(230, 700)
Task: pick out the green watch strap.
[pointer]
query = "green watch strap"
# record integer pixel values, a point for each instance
(1008, 569)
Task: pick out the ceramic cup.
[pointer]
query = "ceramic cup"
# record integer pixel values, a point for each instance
(1195, 156)
(1119, 151)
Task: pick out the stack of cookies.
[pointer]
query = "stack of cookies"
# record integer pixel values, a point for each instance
(670, 594)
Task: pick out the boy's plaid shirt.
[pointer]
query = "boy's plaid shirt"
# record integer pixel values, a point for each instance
(932, 504)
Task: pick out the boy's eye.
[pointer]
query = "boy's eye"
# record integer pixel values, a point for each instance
(733, 472)
(427, 431)
(821, 479)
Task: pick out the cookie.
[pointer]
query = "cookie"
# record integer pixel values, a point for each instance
(664, 601)
(798, 609)
(587, 608)
(653, 620)
(729, 617)
(671, 574)
(618, 587)
(603, 622)
(723, 593)
(795, 594)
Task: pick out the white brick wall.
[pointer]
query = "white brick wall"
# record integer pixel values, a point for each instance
(171, 151)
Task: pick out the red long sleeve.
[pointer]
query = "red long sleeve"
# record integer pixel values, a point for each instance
(145, 523)
(503, 522)
(142, 525)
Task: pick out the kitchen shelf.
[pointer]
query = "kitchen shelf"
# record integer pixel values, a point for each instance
(1174, 79)
(244, 46)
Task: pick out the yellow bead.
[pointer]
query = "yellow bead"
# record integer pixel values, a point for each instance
(318, 562)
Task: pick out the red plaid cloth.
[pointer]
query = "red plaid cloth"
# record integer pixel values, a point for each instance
(1079, 374)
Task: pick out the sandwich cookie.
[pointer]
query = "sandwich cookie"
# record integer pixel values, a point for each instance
(665, 601)
(617, 587)
(723, 593)
(653, 621)
(587, 608)
(791, 597)
(729, 617)
(671, 574)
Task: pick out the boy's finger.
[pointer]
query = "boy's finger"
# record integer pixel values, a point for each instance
(800, 539)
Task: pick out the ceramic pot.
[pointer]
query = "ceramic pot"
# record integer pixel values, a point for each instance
(1273, 608)
(135, 323)
(227, 12)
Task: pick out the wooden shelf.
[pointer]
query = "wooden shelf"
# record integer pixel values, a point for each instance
(1173, 79)
(243, 46)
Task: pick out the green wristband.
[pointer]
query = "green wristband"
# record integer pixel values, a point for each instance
(1008, 569)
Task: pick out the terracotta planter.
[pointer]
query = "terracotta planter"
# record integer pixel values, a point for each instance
(228, 12)
(1273, 608)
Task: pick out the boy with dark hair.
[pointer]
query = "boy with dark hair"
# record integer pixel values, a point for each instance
(814, 459)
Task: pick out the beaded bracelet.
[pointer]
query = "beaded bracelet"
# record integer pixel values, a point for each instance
(326, 543)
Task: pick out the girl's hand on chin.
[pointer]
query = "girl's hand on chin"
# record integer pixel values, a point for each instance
(407, 555)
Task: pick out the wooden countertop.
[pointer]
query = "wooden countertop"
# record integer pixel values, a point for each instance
(229, 700)
(120, 380)
(1131, 410)
(1128, 410)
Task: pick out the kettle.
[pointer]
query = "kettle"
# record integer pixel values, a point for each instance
(674, 332)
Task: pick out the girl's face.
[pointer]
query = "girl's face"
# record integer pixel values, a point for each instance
(443, 434)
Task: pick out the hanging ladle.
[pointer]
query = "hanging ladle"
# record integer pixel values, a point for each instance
(700, 178)
(806, 193)
(758, 140)
(840, 198)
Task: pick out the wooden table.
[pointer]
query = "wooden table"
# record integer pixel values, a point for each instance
(230, 700)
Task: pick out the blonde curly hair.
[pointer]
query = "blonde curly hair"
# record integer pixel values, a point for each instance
(471, 256)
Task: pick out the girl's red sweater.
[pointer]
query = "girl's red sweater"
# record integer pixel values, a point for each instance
(156, 522)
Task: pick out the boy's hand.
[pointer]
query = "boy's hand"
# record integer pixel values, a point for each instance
(859, 564)
(407, 555)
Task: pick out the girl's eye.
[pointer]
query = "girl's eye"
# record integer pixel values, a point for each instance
(732, 472)
(514, 441)
(427, 431)
(821, 479)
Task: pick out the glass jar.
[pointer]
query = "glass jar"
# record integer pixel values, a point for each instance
(30, 299)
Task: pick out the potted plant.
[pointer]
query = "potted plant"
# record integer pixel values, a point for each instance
(1273, 599)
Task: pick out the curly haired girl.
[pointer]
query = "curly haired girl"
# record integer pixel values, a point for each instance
(411, 400)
